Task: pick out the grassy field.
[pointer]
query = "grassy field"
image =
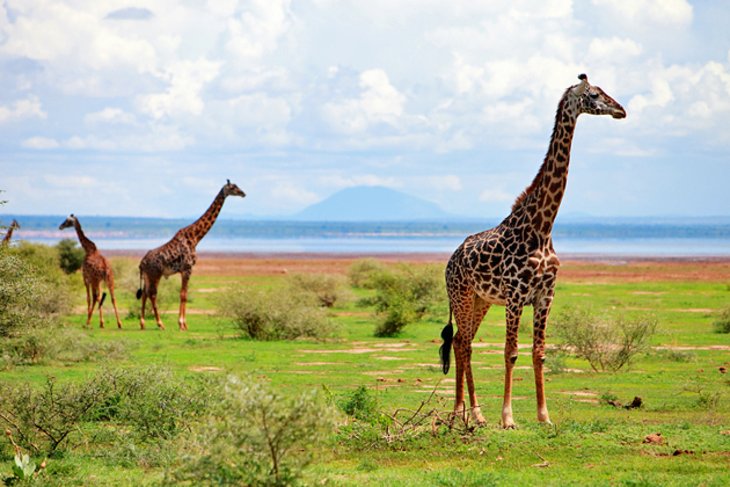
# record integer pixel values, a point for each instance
(684, 392)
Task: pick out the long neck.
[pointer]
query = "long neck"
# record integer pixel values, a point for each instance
(9, 234)
(198, 229)
(542, 199)
(86, 244)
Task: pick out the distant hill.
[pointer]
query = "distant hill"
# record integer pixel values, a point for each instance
(372, 203)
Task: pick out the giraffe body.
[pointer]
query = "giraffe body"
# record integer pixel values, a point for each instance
(514, 264)
(14, 225)
(95, 271)
(178, 257)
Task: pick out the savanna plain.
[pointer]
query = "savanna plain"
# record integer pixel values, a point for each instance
(214, 406)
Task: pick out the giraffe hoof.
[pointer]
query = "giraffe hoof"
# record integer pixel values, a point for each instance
(509, 426)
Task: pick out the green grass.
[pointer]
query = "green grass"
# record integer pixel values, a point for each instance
(590, 442)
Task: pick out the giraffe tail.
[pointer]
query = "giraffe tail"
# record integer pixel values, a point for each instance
(103, 297)
(447, 334)
(139, 291)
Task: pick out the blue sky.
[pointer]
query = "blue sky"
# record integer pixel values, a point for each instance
(145, 108)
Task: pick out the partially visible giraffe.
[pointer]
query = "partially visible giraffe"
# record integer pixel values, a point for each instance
(95, 269)
(178, 255)
(514, 264)
(9, 234)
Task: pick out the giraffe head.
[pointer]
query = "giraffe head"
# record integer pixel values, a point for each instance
(593, 100)
(68, 222)
(231, 189)
(15, 224)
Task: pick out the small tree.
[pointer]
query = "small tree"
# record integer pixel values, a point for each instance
(404, 296)
(257, 437)
(607, 344)
(722, 323)
(70, 255)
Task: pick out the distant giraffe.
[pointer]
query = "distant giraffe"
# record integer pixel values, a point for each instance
(9, 234)
(178, 255)
(95, 269)
(514, 264)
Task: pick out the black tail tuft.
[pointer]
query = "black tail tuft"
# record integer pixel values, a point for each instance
(447, 334)
(139, 293)
(103, 297)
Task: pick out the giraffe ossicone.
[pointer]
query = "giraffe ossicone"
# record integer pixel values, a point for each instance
(514, 264)
(178, 256)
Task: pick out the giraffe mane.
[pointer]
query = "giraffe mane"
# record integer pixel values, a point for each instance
(538, 177)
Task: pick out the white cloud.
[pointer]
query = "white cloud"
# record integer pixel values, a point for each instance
(664, 12)
(40, 143)
(70, 181)
(183, 96)
(378, 102)
(340, 181)
(22, 109)
(289, 194)
(256, 30)
(496, 195)
(110, 115)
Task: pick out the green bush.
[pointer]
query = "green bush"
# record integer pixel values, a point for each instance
(404, 295)
(722, 323)
(362, 272)
(255, 437)
(43, 346)
(70, 255)
(607, 344)
(276, 314)
(360, 404)
(32, 292)
(327, 288)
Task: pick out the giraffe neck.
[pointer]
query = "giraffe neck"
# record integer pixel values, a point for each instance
(8, 234)
(86, 244)
(541, 201)
(198, 229)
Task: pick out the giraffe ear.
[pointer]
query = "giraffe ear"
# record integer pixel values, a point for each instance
(228, 181)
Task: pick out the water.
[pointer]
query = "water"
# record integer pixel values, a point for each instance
(664, 239)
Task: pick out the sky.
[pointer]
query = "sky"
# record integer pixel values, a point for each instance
(145, 108)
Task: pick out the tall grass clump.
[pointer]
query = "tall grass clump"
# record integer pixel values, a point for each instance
(607, 344)
(276, 314)
(722, 323)
(404, 295)
(255, 436)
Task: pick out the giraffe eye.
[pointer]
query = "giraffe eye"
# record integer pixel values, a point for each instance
(594, 96)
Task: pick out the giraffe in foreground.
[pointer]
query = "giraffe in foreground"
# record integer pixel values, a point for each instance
(178, 255)
(514, 264)
(14, 225)
(95, 269)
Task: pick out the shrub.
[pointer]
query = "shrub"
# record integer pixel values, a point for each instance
(70, 255)
(606, 344)
(256, 437)
(28, 296)
(362, 272)
(277, 314)
(360, 404)
(41, 346)
(722, 323)
(327, 289)
(404, 295)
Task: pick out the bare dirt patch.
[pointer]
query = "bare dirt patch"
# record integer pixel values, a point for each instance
(204, 368)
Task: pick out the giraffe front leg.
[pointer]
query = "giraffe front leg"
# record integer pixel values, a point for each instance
(542, 311)
(510, 357)
(181, 321)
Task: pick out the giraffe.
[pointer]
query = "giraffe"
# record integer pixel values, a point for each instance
(514, 264)
(95, 269)
(178, 255)
(9, 234)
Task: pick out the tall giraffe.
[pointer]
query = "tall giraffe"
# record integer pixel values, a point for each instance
(9, 234)
(95, 269)
(178, 255)
(514, 264)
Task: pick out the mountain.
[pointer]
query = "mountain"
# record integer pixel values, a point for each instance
(372, 203)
